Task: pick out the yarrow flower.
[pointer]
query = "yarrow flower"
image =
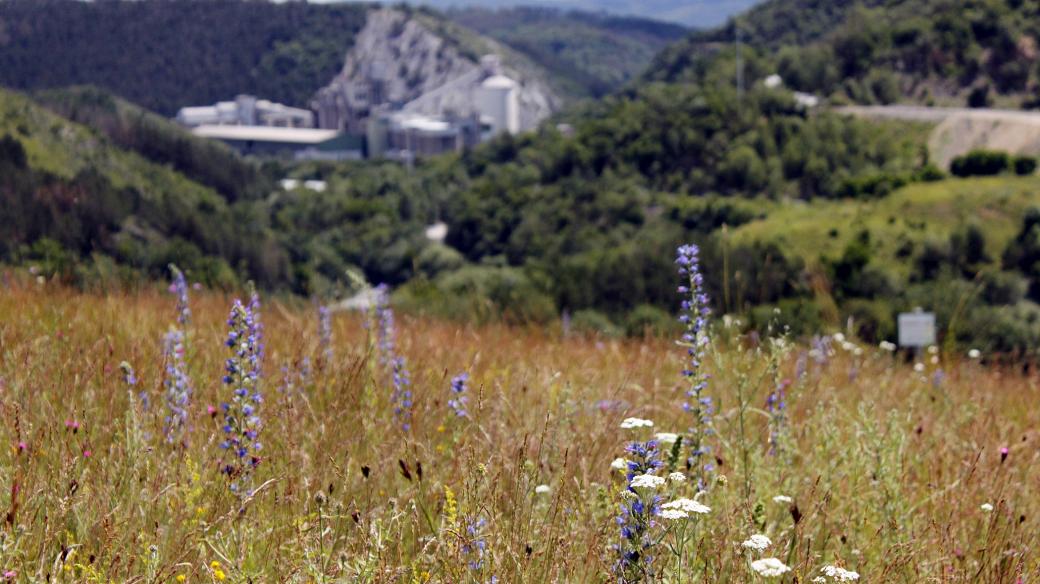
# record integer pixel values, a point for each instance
(986, 507)
(769, 567)
(677, 477)
(840, 574)
(458, 390)
(543, 489)
(757, 542)
(632, 423)
(694, 314)
(784, 499)
(647, 481)
(619, 464)
(688, 506)
(241, 420)
(673, 514)
(666, 437)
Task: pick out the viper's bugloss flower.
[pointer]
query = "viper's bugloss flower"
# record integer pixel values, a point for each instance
(325, 333)
(178, 387)
(694, 313)
(401, 379)
(242, 377)
(457, 403)
(475, 547)
(179, 288)
(639, 507)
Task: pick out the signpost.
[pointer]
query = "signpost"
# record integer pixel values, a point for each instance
(916, 329)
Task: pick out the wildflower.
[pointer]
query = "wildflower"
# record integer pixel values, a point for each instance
(636, 521)
(178, 386)
(933, 350)
(986, 507)
(887, 346)
(543, 489)
(776, 405)
(919, 367)
(402, 393)
(87, 453)
(179, 288)
(182, 578)
(646, 481)
(694, 314)
(677, 477)
(819, 580)
(241, 420)
(476, 545)
(783, 499)
(72, 425)
(666, 437)
(619, 464)
(770, 567)
(840, 574)
(687, 506)
(757, 542)
(325, 333)
(974, 354)
(673, 514)
(1003, 454)
(458, 389)
(632, 423)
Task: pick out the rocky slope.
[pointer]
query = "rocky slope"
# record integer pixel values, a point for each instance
(399, 59)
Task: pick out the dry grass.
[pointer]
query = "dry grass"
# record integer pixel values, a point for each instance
(887, 471)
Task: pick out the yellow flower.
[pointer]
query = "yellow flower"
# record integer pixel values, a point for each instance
(181, 577)
(219, 575)
(215, 565)
(440, 428)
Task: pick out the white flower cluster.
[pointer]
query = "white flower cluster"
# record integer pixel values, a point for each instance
(840, 574)
(631, 423)
(646, 481)
(666, 437)
(770, 567)
(687, 506)
(757, 542)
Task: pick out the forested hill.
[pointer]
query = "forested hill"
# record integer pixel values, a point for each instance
(594, 52)
(942, 52)
(164, 55)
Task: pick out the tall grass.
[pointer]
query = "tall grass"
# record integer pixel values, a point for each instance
(886, 470)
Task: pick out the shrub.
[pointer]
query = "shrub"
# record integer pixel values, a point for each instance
(591, 322)
(1025, 165)
(646, 319)
(980, 163)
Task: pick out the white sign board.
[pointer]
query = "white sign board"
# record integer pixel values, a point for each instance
(916, 329)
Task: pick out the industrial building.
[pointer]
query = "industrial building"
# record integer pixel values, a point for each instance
(246, 110)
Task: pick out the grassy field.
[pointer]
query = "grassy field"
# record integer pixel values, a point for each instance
(887, 468)
(916, 213)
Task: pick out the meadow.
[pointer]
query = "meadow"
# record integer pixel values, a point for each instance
(370, 459)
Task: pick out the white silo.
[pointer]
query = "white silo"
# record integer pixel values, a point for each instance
(499, 104)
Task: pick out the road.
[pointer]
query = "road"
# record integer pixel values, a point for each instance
(959, 130)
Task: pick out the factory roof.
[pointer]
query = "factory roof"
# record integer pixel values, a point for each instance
(265, 134)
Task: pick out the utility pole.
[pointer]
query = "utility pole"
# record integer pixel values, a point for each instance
(740, 60)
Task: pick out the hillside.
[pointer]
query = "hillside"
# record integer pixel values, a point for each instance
(692, 13)
(165, 55)
(78, 206)
(594, 52)
(943, 52)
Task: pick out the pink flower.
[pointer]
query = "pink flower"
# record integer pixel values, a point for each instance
(212, 411)
(10, 574)
(22, 446)
(86, 453)
(72, 425)
(1003, 454)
